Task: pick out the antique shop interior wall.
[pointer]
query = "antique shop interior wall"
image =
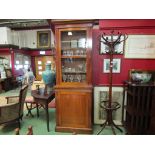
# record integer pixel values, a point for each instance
(134, 27)
(28, 38)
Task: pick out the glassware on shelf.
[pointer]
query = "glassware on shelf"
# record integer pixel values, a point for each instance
(69, 69)
(73, 61)
(77, 52)
(71, 78)
(68, 78)
(81, 52)
(71, 53)
(78, 78)
(64, 77)
(73, 70)
(80, 67)
(64, 53)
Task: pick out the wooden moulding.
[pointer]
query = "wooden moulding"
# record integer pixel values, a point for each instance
(73, 21)
(74, 130)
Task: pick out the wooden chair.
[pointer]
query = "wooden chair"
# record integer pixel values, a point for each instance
(30, 103)
(13, 111)
(12, 82)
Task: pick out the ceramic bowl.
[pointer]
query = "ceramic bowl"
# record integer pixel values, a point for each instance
(141, 77)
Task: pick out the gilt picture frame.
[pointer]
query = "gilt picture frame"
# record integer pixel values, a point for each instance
(43, 39)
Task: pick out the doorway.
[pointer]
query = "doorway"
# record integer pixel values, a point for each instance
(40, 64)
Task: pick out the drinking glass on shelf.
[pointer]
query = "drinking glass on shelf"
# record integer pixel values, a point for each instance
(69, 69)
(64, 53)
(68, 53)
(68, 78)
(77, 52)
(71, 53)
(81, 52)
(71, 78)
(64, 77)
(80, 67)
(79, 78)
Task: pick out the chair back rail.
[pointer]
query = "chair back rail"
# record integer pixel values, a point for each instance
(22, 97)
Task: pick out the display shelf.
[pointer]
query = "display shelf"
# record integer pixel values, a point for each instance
(74, 72)
(74, 56)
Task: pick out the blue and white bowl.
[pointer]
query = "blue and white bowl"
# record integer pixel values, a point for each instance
(141, 77)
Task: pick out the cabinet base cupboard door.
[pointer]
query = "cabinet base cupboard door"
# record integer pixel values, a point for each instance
(74, 111)
(74, 77)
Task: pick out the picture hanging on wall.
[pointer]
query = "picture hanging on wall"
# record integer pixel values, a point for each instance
(101, 94)
(43, 39)
(140, 46)
(119, 48)
(116, 65)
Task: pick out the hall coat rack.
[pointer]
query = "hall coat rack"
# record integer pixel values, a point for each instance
(109, 106)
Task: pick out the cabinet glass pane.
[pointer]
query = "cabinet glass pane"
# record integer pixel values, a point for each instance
(73, 70)
(73, 56)
(73, 43)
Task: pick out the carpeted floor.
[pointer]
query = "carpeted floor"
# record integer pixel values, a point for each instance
(39, 123)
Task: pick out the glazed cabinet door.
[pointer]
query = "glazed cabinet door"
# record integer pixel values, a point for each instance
(74, 57)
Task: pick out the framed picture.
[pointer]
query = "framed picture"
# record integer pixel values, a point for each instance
(119, 48)
(43, 39)
(8, 73)
(74, 43)
(140, 46)
(116, 65)
(102, 94)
